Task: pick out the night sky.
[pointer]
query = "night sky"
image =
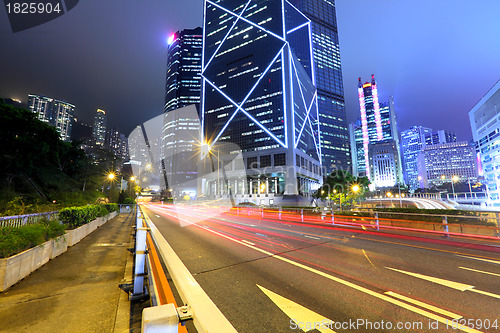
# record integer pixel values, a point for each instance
(436, 57)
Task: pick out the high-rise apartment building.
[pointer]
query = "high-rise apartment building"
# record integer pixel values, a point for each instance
(99, 128)
(258, 96)
(485, 123)
(55, 112)
(183, 84)
(445, 163)
(378, 125)
(117, 142)
(330, 88)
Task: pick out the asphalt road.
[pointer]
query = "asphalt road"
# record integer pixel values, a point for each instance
(267, 275)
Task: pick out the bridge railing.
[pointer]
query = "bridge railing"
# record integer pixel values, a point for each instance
(17, 221)
(152, 254)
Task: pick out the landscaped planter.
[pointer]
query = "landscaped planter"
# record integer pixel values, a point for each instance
(18, 266)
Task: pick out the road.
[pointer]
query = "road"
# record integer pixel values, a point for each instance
(270, 275)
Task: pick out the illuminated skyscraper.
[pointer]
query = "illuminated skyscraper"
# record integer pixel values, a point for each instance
(54, 112)
(327, 65)
(99, 128)
(378, 125)
(258, 94)
(183, 83)
(412, 143)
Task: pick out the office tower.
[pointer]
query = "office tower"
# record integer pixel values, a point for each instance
(378, 125)
(54, 112)
(440, 164)
(412, 143)
(117, 143)
(438, 137)
(384, 161)
(357, 152)
(485, 124)
(258, 95)
(183, 84)
(99, 128)
(328, 74)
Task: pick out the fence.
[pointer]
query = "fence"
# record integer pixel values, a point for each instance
(17, 221)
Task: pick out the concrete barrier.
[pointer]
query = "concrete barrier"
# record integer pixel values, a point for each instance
(17, 267)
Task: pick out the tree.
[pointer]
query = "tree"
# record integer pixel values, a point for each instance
(342, 187)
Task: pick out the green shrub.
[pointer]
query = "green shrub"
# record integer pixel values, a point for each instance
(16, 240)
(75, 217)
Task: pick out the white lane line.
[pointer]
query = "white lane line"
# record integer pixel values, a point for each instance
(447, 283)
(383, 297)
(487, 260)
(312, 237)
(424, 305)
(247, 242)
(478, 271)
(299, 314)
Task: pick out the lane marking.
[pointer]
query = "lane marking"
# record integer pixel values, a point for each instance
(312, 237)
(424, 305)
(366, 256)
(247, 242)
(383, 297)
(447, 283)
(299, 313)
(476, 270)
(486, 293)
(476, 258)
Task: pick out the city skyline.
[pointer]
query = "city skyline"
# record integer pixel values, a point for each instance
(119, 64)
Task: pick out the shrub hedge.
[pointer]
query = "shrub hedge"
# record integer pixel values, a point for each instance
(75, 217)
(17, 240)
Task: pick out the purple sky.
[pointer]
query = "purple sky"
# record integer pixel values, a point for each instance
(437, 58)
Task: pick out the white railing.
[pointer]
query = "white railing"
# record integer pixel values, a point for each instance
(17, 221)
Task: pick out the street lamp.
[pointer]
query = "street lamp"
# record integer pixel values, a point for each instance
(355, 188)
(453, 179)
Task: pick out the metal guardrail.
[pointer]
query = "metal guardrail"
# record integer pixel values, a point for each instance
(376, 222)
(163, 316)
(17, 221)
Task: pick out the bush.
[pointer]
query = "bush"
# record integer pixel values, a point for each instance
(16, 240)
(75, 217)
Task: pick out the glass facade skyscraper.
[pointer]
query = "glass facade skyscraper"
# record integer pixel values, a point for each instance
(99, 128)
(183, 84)
(258, 94)
(412, 143)
(326, 53)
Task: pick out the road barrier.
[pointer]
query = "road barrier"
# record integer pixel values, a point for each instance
(445, 225)
(165, 315)
(17, 221)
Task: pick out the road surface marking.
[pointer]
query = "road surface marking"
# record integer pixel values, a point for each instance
(366, 256)
(487, 260)
(447, 283)
(312, 237)
(486, 293)
(299, 314)
(424, 305)
(157, 215)
(247, 242)
(386, 298)
(476, 270)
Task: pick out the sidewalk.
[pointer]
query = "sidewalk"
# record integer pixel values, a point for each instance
(77, 291)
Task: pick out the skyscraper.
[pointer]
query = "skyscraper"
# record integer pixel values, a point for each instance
(54, 112)
(438, 137)
(183, 84)
(99, 128)
(412, 142)
(378, 125)
(484, 122)
(327, 65)
(258, 94)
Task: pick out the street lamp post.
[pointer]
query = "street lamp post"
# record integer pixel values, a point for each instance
(453, 179)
